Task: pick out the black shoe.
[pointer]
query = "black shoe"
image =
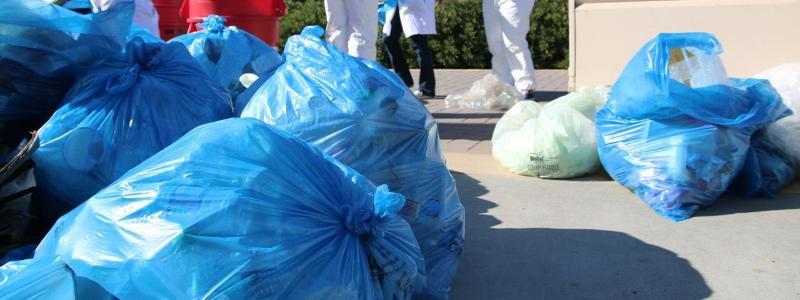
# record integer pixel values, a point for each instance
(529, 95)
(424, 95)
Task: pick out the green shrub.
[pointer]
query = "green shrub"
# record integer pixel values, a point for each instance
(461, 41)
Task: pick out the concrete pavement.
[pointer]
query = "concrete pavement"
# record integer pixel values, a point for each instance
(590, 238)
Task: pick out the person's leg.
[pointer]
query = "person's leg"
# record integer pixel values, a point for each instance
(427, 79)
(336, 32)
(515, 25)
(494, 38)
(362, 18)
(396, 56)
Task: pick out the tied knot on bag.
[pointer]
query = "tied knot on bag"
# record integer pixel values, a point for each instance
(359, 220)
(213, 23)
(363, 219)
(124, 80)
(139, 56)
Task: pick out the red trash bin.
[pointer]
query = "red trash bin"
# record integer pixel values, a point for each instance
(170, 22)
(258, 17)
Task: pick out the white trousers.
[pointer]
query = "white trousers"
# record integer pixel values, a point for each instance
(353, 26)
(507, 24)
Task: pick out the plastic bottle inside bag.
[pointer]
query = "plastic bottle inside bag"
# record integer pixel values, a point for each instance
(696, 69)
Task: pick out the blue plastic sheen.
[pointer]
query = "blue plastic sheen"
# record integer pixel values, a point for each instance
(43, 47)
(237, 209)
(228, 52)
(676, 146)
(362, 115)
(121, 113)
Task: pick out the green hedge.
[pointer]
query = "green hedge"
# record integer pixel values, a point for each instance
(461, 41)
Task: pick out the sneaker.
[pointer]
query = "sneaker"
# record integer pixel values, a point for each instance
(529, 94)
(423, 95)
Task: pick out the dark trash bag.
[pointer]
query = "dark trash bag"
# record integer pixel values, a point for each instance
(362, 115)
(227, 53)
(118, 115)
(235, 209)
(675, 129)
(43, 48)
(768, 168)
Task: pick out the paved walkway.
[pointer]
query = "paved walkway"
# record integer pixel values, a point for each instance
(590, 238)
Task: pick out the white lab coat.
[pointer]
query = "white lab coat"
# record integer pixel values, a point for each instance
(145, 14)
(507, 23)
(417, 17)
(353, 26)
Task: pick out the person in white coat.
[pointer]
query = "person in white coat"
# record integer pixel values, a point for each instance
(352, 26)
(145, 14)
(416, 19)
(507, 24)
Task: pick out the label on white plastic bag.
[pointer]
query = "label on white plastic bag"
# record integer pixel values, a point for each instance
(543, 166)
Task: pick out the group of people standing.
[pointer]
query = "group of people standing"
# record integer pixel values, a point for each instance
(352, 27)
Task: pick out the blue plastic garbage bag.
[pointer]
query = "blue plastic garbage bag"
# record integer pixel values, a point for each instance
(237, 209)
(362, 115)
(19, 253)
(46, 278)
(675, 129)
(768, 167)
(227, 53)
(121, 113)
(43, 48)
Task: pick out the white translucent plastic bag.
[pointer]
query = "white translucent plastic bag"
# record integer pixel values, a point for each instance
(786, 132)
(556, 140)
(488, 92)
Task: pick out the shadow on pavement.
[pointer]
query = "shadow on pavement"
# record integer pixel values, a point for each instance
(788, 198)
(481, 115)
(547, 95)
(543, 263)
(466, 131)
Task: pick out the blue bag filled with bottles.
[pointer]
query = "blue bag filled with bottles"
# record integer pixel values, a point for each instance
(230, 55)
(43, 48)
(675, 129)
(235, 209)
(362, 114)
(119, 114)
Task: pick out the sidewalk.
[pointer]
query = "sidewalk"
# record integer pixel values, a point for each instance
(590, 238)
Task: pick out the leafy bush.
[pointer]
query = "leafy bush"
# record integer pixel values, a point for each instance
(461, 40)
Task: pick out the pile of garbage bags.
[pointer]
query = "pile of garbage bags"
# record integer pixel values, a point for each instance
(488, 92)
(555, 140)
(155, 189)
(43, 49)
(364, 116)
(677, 131)
(120, 113)
(233, 57)
(235, 209)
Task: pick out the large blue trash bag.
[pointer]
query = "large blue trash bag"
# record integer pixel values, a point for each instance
(362, 115)
(43, 48)
(675, 129)
(121, 113)
(227, 53)
(238, 209)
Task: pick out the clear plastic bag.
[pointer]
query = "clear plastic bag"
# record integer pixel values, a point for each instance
(362, 115)
(556, 140)
(786, 132)
(488, 92)
(234, 209)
